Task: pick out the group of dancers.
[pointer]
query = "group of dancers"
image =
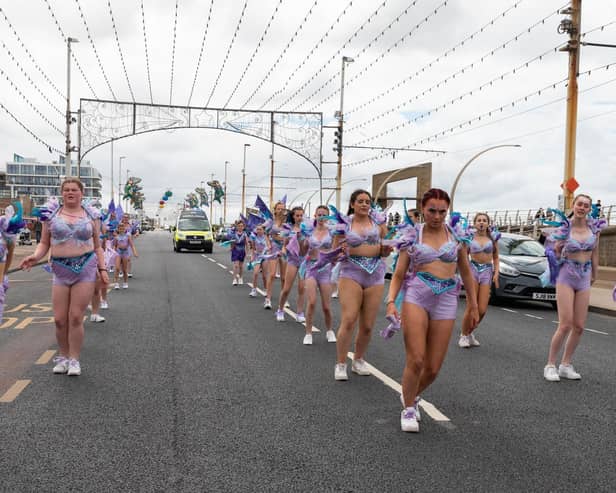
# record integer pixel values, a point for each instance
(434, 258)
(83, 247)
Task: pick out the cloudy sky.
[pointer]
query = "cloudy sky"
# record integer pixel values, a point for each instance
(455, 76)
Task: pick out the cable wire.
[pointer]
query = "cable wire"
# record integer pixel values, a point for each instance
(434, 61)
(100, 64)
(272, 68)
(224, 63)
(207, 24)
(254, 53)
(34, 62)
(321, 40)
(599, 28)
(117, 38)
(65, 38)
(175, 27)
(22, 125)
(32, 83)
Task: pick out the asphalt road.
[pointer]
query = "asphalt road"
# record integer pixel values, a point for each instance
(190, 385)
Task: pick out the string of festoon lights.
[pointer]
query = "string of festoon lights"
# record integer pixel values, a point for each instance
(117, 38)
(147, 56)
(205, 31)
(34, 136)
(175, 32)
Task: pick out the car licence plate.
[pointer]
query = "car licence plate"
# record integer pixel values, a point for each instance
(194, 242)
(544, 296)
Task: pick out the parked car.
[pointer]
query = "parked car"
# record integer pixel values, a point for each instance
(522, 264)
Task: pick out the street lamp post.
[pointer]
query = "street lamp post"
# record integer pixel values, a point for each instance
(244, 180)
(271, 191)
(455, 183)
(67, 157)
(340, 115)
(224, 198)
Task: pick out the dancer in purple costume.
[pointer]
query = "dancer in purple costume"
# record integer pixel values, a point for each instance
(294, 250)
(71, 232)
(361, 281)
(484, 266)
(259, 245)
(427, 272)
(319, 278)
(278, 261)
(123, 244)
(573, 251)
(239, 242)
(10, 224)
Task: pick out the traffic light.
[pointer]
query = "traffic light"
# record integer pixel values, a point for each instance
(338, 140)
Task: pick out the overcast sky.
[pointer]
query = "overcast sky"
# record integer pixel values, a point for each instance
(400, 91)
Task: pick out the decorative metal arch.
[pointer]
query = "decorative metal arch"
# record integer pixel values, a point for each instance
(103, 121)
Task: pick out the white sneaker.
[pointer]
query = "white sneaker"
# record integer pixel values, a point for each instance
(415, 405)
(240, 281)
(234, 281)
(340, 372)
(130, 274)
(279, 316)
(464, 341)
(408, 420)
(287, 304)
(116, 286)
(95, 317)
(61, 364)
(308, 339)
(568, 372)
(253, 293)
(331, 336)
(125, 285)
(335, 294)
(104, 305)
(267, 304)
(74, 368)
(473, 340)
(550, 374)
(300, 318)
(359, 367)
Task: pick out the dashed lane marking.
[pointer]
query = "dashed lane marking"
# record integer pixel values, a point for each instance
(533, 316)
(221, 265)
(45, 357)
(15, 389)
(597, 332)
(508, 310)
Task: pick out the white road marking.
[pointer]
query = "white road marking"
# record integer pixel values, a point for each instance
(597, 332)
(428, 407)
(533, 316)
(508, 310)
(221, 265)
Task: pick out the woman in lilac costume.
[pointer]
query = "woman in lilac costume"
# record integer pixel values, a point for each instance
(484, 266)
(123, 243)
(9, 227)
(239, 242)
(319, 278)
(360, 283)
(71, 232)
(259, 245)
(576, 246)
(278, 261)
(294, 249)
(427, 270)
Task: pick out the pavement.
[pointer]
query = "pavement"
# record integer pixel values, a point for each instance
(601, 300)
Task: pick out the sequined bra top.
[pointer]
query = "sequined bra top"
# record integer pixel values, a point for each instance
(477, 247)
(122, 241)
(371, 237)
(260, 243)
(424, 254)
(324, 243)
(62, 231)
(573, 246)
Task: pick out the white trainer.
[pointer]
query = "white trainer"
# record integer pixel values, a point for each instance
(568, 372)
(473, 340)
(267, 304)
(550, 374)
(464, 341)
(116, 286)
(308, 340)
(240, 281)
(234, 283)
(74, 368)
(125, 285)
(300, 318)
(279, 316)
(408, 420)
(415, 404)
(104, 305)
(61, 365)
(253, 293)
(130, 275)
(359, 367)
(331, 336)
(95, 317)
(340, 372)
(335, 294)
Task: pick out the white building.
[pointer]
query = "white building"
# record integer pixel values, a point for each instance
(27, 176)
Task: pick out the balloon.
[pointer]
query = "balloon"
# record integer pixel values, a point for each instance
(162, 202)
(165, 198)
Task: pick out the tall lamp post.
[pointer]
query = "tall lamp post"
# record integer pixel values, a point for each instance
(244, 180)
(224, 198)
(340, 116)
(120, 180)
(67, 158)
(455, 183)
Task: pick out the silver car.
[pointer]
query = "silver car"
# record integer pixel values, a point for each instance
(522, 266)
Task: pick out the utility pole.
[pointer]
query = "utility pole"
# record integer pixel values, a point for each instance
(242, 211)
(572, 27)
(211, 201)
(338, 141)
(224, 198)
(67, 152)
(271, 190)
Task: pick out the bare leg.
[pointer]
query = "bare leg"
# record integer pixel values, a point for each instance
(301, 298)
(439, 333)
(291, 272)
(373, 297)
(60, 299)
(311, 295)
(466, 321)
(565, 297)
(80, 295)
(351, 300)
(415, 329)
(580, 311)
(326, 304)
(483, 298)
(125, 270)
